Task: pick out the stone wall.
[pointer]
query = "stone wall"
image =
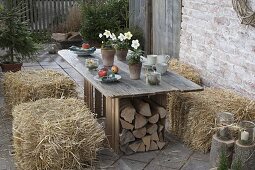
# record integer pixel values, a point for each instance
(215, 43)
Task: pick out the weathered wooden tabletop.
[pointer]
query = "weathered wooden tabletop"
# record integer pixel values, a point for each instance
(126, 87)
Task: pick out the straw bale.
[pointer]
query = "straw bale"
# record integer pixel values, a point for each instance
(25, 86)
(192, 115)
(185, 70)
(55, 134)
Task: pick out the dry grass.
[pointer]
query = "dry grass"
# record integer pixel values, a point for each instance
(55, 134)
(185, 70)
(192, 114)
(25, 86)
(72, 22)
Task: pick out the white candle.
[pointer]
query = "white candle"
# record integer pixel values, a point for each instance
(244, 135)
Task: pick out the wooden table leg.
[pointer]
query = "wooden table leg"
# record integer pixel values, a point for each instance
(98, 104)
(88, 95)
(86, 91)
(112, 122)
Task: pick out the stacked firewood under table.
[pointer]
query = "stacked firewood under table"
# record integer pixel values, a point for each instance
(143, 125)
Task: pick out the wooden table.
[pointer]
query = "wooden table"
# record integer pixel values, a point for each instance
(104, 99)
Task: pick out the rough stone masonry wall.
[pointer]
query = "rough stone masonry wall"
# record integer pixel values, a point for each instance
(215, 43)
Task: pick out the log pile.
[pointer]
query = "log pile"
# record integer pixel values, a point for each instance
(143, 124)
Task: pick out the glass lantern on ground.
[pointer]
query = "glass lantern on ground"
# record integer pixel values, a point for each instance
(223, 120)
(246, 134)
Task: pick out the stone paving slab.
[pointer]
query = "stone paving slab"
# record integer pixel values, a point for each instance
(146, 157)
(32, 68)
(127, 164)
(173, 156)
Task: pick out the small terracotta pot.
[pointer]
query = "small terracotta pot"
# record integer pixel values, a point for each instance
(13, 67)
(121, 54)
(108, 57)
(135, 71)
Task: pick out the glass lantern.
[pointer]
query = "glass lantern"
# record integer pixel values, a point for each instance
(246, 134)
(223, 120)
(153, 78)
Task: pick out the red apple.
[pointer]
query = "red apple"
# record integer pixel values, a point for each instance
(85, 46)
(102, 73)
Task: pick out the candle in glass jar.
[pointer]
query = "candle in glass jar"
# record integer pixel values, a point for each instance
(244, 135)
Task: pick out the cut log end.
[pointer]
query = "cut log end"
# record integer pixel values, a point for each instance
(128, 114)
(142, 107)
(126, 125)
(154, 118)
(140, 121)
(139, 133)
(152, 128)
(161, 144)
(153, 146)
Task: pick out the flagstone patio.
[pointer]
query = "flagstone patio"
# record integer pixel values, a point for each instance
(174, 155)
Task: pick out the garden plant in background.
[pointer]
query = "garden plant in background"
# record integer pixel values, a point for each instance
(98, 15)
(134, 60)
(122, 44)
(15, 38)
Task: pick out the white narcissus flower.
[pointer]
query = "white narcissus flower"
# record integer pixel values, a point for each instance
(128, 35)
(113, 36)
(135, 44)
(121, 37)
(100, 35)
(107, 33)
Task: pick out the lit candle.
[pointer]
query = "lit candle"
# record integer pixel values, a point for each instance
(244, 135)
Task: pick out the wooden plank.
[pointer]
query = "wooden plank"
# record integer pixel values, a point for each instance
(27, 12)
(109, 121)
(40, 13)
(47, 14)
(177, 5)
(62, 11)
(127, 87)
(43, 17)
(59, 12)
(86, 92)
(91, 89)
(66, 7)
(35, 13)
(104, 106)
(116, 123)
(31, 12)
(98, 104)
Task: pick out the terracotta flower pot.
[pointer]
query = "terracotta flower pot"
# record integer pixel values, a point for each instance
(108, 57)
(121, 54)
(135, 71)
(13, 67)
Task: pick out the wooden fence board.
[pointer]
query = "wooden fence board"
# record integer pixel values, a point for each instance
(44, 14)
(161, 24)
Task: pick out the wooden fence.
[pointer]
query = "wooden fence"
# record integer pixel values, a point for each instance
(161, 22)
(45, 15)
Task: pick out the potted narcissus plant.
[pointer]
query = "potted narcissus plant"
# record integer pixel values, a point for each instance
(134, 60)
(107, 48)
(15, 38)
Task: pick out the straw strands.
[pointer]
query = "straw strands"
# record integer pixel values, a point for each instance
(24, 86)
(192, 115)
(185, 70)
(55, 134)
